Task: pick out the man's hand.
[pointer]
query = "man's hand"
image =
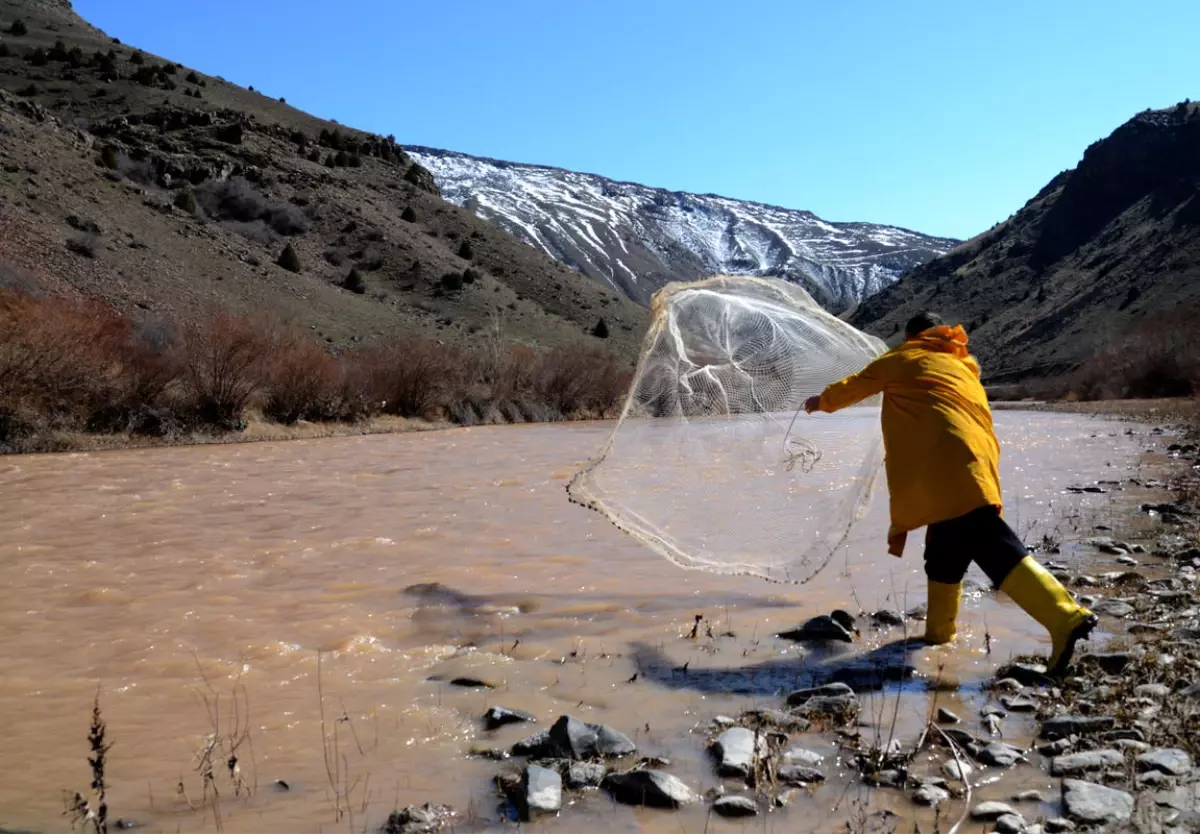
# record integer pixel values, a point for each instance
(812, 404)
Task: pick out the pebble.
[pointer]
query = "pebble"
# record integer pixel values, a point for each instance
(1089, 803)
(802, 756)
(1010, 824)
(1111, 662)
(1077, 764)
(1056, 748)
(796, 774)
(1127, 560)
(831, 704)
(1127, 744)
(1008, 684)
(945, 716)
(1029, 796)
(1026, 674)
(1019, 703)
(992, 811)
(1152, 690)
(1170, 760)
(1153, 779)
(735, 806)
(821, 628)
(888, 617)
(1113, 608)
(801, 696)
(992, 722)
(585, 775)
(1058, 824)
(571, 738)
(992, 709)
(653, 788)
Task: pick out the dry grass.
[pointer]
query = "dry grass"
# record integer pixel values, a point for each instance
(80, 375)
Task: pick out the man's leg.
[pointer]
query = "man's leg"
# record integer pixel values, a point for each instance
(1012, 570)
(946, 564)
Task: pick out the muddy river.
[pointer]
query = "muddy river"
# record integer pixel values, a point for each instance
(196, 588)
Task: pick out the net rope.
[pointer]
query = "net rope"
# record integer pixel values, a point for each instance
(711, 463)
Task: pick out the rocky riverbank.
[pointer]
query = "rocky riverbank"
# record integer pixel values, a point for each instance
(1111, 747)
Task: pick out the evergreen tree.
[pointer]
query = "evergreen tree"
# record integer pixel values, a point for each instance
(288, 259)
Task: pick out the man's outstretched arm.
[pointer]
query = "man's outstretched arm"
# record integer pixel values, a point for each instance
(854, 388)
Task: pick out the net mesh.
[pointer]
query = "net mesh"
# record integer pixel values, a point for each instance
(711, 463)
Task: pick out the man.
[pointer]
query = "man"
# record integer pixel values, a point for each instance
(942, 462)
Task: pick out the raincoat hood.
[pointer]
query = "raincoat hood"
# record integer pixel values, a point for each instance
(945, 339)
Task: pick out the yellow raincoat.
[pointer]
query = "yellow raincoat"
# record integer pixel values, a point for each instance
(942, 458)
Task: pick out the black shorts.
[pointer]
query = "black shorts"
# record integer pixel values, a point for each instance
(981, 536)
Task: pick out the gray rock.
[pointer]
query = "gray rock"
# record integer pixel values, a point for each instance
(541, 792)
(1010, 824)
(736, 749)
(499, 716)
(930, 794)
(798, 774)
(888, 617)
(775, 719)
(571, 738)
(803, 757)
(1000, 754)
(1061, 726)
(889, 778)
(1152, 779)
(1190, 691)
(830, 705)
(820, 628)
(582, 775)
(1077, 764)
(1126, 745)
(992, 709)
(1170, 760)
(1113, 608)
(1128, 561)
(735, 806)
(992, 722)
(1026, 674)
(802, 696)
(1058, 824)
(1019, 703)
(1152, 690)
(425, 819)
(1089, 803)
(1056, 748)
(723, 721)
(992, 811)
(945, 716)
(653, 788)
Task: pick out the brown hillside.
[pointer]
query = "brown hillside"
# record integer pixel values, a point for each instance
(1102, 249)
(161, 191)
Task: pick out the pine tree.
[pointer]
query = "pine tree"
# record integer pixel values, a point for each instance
(354, 282)
(18, 29)
(465, 251)
(600, 331)
(409, 216)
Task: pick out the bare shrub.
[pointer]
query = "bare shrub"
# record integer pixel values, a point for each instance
(255, 230)
(225, 360)
(303, 382)
(83, 243)
(237, 200)
(1159, 357)
(413, 377)
(581, 383)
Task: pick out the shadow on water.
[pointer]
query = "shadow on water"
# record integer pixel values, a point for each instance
(825, 663)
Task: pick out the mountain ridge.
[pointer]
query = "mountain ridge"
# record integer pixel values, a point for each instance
(677, 235)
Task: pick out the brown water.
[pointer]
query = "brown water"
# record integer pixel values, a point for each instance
(168, 577)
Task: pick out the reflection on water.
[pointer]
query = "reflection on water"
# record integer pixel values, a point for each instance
(411, 561)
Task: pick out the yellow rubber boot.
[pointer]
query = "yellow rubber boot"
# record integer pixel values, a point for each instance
(941, 618)
(1042, 597)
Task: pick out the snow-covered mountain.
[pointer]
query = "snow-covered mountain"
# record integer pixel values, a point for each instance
(638, 238)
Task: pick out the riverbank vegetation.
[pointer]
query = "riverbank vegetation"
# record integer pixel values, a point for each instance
(79, 374)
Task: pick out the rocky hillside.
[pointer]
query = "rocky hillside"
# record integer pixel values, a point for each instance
(635, 239)
(129, 178)
(1096, 252)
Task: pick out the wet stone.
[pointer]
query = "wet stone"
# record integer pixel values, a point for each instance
(1056, 748)
(1029, 796)
(1027, 674)
(1008, 685)
(1010, 824)
(472, 683)
(888, 617)
(1152, 779)
(1112, 608)
(889, 778)
(992, 709)
(945, 716)
(582, 775)
(958, 771)
(571, 738)
(831, 705)
(797, 774)
(1093, 804)
(864, 677)
(1019, 703)
(992, 722)
(1077, 764)
(1061, 726)
(424, 819)
(1152, 690)
(541, 792)
(1058, 825)
(820, 628)
(499, 716)
(736, 749)
(992, 811)
(1128, 561)
(1171, 761)
(775, 719)
(803, 757)
(930, 794)
(802, 696)
(735, 806)
(1000, 754)
(652, 788)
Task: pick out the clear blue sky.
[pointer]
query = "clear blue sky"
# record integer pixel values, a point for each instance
(940, 115)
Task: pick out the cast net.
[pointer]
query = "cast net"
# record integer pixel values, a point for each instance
(713, 463)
